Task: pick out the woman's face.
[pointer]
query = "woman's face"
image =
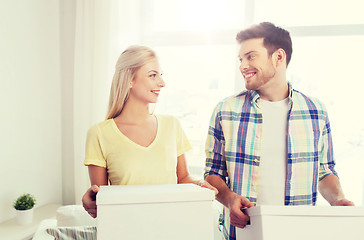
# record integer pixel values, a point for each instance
(147, 83)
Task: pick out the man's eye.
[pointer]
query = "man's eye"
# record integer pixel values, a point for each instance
(250, 57)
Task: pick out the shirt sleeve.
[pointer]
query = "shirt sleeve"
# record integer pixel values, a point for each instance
(215, 146)
(183, 145)
(327, 162)
(94, 154)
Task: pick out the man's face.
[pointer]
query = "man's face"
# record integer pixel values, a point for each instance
(256, 65)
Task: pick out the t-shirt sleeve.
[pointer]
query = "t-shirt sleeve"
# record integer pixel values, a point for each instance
(327, 162)
(183, 145)
(94, 154)
(215, 146)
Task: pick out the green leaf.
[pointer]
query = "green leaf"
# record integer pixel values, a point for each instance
(24, 202)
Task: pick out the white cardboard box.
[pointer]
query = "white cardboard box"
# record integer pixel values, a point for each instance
(303, 222)
(173, 211)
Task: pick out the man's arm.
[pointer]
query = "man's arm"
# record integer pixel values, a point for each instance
(330, 189)
(329, 184)
(231, 200)
(216, 167)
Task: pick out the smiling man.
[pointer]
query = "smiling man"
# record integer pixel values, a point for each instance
(270, 144)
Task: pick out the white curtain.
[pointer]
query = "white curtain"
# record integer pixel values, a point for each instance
(103, 30)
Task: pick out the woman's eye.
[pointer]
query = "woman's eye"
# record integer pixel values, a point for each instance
(153, 75)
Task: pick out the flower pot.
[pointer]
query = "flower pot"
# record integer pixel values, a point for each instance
(24, 217)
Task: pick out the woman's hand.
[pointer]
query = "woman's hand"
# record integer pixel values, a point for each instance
(89, 200)
(206, 184)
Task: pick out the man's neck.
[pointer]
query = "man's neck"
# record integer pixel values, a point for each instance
(275, 91)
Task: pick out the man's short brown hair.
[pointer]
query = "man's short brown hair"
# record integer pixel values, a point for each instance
(274, 38)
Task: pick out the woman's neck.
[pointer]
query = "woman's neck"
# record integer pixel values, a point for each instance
(134, 113)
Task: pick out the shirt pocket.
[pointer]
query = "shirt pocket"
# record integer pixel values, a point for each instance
(305, 146)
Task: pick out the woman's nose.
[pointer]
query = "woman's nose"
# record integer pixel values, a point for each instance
(161, 82)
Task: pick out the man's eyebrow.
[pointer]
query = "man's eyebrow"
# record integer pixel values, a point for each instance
(246, 53)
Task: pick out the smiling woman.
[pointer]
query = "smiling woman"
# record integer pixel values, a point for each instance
(130, 128)
(133, 146)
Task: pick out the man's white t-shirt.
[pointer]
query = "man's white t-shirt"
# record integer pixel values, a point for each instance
(273, 162)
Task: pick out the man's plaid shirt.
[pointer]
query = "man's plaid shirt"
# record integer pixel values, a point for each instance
(233, 147)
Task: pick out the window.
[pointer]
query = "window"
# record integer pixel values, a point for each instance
(191, 15)
(196, 79)
(327, 55)
(327, 68)
(195, 41)
(309, 12)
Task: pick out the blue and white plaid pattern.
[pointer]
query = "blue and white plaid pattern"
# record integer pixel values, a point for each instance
(233, 147)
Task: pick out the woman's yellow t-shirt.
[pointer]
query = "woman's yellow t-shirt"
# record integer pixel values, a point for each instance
(128, 163)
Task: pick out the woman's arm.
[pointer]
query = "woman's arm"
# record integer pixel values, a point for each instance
(98, 177)
(183, 176)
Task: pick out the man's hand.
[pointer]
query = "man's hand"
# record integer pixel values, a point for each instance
(231, 200)
(237, 216)
(330, 189)
(89, 200)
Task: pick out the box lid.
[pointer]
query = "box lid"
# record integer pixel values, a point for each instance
(306, 211)
(131, 194)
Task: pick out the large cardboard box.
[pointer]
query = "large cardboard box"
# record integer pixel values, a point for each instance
(173, 211)
(303, 222)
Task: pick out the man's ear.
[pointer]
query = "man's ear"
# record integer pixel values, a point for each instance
(279, 57)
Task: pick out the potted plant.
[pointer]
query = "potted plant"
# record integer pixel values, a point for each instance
(24, 208)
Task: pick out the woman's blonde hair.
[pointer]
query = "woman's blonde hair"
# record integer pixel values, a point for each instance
(126, 67)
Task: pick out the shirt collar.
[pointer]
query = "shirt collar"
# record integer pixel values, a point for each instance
(254, 96)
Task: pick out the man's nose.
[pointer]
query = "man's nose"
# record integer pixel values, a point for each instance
(243, 66)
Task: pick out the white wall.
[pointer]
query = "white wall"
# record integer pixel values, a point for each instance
(30, 102)
(67, 37)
